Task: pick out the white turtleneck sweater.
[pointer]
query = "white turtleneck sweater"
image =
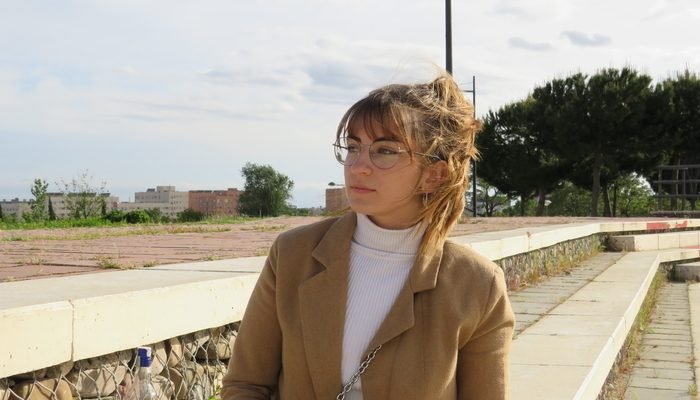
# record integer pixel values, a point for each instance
(380, 262)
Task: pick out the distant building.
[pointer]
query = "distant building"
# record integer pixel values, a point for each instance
(336, 200)
(15, 207)
(60, 206)
(215, 202)
(164, 198)
(18, 207)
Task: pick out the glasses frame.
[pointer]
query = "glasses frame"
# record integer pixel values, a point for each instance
(338, 147)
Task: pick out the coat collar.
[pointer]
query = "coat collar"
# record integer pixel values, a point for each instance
(323, 299)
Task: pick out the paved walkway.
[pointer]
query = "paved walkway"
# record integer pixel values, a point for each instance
(532, 303)
(665, 368)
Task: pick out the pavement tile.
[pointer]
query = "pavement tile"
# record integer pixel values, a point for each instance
(661, 364)
(683, 344)
(663, 354)
(661, 383)
(667, 335)
(682, 374)
(634, 393)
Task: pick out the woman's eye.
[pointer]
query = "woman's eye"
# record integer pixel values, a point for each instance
(353, 148)
(387, 150)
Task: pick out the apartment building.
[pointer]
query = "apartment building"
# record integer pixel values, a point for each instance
(169, 201)
(60, 207)
(15, 207)
(215, 202)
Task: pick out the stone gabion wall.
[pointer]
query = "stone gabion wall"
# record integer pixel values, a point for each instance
(526, 268)
(188, 367)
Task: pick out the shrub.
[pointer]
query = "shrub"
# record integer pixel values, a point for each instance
(190, 215)
(137, 217)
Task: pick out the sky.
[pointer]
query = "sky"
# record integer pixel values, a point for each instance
(144, 93)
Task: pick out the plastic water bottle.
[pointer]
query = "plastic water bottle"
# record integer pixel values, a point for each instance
(146, 389)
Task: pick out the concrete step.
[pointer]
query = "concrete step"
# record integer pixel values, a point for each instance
(687, 272)
(655, 241)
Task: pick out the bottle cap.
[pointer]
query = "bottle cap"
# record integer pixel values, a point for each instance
(145, 356)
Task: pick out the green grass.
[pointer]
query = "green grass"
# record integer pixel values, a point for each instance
(97, 222)
(138, 231)
(60, 224)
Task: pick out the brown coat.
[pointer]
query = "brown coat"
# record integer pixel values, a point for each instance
(447, 336)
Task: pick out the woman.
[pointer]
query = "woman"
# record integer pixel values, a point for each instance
(376, 304)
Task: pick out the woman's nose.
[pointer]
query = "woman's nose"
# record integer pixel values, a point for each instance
(363, 163)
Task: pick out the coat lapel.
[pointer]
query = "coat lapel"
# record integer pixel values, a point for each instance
(322, 301)
(401, 316)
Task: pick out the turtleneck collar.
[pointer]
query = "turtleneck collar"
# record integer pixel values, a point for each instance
(398, 241)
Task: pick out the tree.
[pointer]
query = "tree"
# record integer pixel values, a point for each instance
(39, 204)
(266, 191)
(514, 154)
(83, 199)
(489, 198)
(599, 125)
(677, 100)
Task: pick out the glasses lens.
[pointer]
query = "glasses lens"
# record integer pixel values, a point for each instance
(341, 153)
(385, 155)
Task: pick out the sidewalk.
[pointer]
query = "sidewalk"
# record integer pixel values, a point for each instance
(665, 368)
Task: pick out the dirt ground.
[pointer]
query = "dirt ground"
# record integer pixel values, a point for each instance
(33, 254)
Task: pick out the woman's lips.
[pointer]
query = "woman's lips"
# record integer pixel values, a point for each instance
(360, 189)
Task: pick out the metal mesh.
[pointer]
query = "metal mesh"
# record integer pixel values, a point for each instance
(189, 367)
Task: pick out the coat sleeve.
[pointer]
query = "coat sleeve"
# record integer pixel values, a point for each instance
(483, 361)
(255, 364)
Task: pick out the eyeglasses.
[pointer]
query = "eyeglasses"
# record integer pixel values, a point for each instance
(382, 153)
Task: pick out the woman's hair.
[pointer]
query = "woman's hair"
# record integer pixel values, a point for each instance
(432, 118)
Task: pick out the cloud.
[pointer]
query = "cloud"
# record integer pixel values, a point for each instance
(584, 40)
(531, 46)
(505, 9)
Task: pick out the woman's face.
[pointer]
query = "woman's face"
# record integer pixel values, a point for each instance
(387, 196)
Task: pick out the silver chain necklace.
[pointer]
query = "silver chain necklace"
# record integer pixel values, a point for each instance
(356, 376)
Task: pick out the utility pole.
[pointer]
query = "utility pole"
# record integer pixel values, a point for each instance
(448, 67)
(448, 36)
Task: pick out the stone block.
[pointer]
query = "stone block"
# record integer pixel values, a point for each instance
(220, 345)
(46, 389)
(175, 352)
(187, 377)
(4, 390)
(622, 243)
(100, 376)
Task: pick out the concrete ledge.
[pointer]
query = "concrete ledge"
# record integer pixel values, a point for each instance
(656, 241)
(498, 245)
(92, 315)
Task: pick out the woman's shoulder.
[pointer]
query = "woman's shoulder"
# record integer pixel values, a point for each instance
(464, 261)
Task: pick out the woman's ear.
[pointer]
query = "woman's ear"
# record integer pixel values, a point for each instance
(433, 176)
